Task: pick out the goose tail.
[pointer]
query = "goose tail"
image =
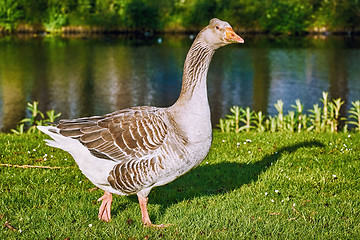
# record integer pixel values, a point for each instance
(54, 133)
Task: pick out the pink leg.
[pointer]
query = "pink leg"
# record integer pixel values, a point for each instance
(105, 208)
(145, 215)
(144, 212)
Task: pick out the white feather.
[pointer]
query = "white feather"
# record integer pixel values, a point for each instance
(95, 169)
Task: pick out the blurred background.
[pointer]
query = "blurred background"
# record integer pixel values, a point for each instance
(91, 57)
(279, 16)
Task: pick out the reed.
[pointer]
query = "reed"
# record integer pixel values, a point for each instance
(355, 114)
(259, 121)
(299, 108)
(290, 122)
(334, 110)
(324, 121)
(36, 118)
(247, 118)
(320, 119)
(315, 119)
(279, 105)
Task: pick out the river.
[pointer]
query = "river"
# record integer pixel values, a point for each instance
(94, 75)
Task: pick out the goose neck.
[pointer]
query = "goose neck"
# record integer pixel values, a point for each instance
(195, 70)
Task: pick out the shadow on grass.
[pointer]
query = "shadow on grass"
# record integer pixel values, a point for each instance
(216, 178)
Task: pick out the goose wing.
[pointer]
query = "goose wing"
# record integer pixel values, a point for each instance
(124, 135)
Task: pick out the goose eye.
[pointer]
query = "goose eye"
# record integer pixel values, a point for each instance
(217, 27)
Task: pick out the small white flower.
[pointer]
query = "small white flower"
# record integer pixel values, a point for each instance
(90, 225)
(28, 152)
(266, 193)
(20, 231)
(276, 191)
(45, 155)
(249, 151)
(223, 141)
(272, 200)
(34, 150)
(65, 159)
(79, 181)
(294, 204)
(51, 156)
(244, 142)
(248, 140)
(238, 144)
(206, 162)
(45, 159)
(349, 136)
(334, 176)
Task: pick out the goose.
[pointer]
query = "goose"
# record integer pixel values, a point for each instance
(133, 150)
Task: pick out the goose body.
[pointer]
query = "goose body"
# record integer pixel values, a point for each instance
(133, 150)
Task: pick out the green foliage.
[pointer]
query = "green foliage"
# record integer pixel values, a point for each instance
(326, 119)
(334, 110)
(259, 121)
(279, 105)
(334, 15)
(315, 119)
(36, 118)
(10, 14)
(239, 115)
(56, 19)
(287, 16)
(280, 16)
(142, 15)
(355, 114)
(200, 11)
(246, 119)
(301, 120)
(231, 124)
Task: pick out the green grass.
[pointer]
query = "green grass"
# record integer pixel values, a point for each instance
(255, 185)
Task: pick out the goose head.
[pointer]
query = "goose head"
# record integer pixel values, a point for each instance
(219, 33)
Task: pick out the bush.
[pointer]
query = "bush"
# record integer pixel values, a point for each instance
(141, 15)
(280, 16)
(10, 14)
(287, 17)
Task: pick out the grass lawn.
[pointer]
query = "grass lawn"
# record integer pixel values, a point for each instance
(257, 185)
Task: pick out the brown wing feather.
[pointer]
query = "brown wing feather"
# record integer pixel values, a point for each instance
(121, 136)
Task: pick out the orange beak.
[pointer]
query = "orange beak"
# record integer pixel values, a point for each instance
(232, 37)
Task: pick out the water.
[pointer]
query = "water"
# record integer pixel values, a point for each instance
(96, 75)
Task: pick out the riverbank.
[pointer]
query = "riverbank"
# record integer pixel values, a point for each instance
(27, 29)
